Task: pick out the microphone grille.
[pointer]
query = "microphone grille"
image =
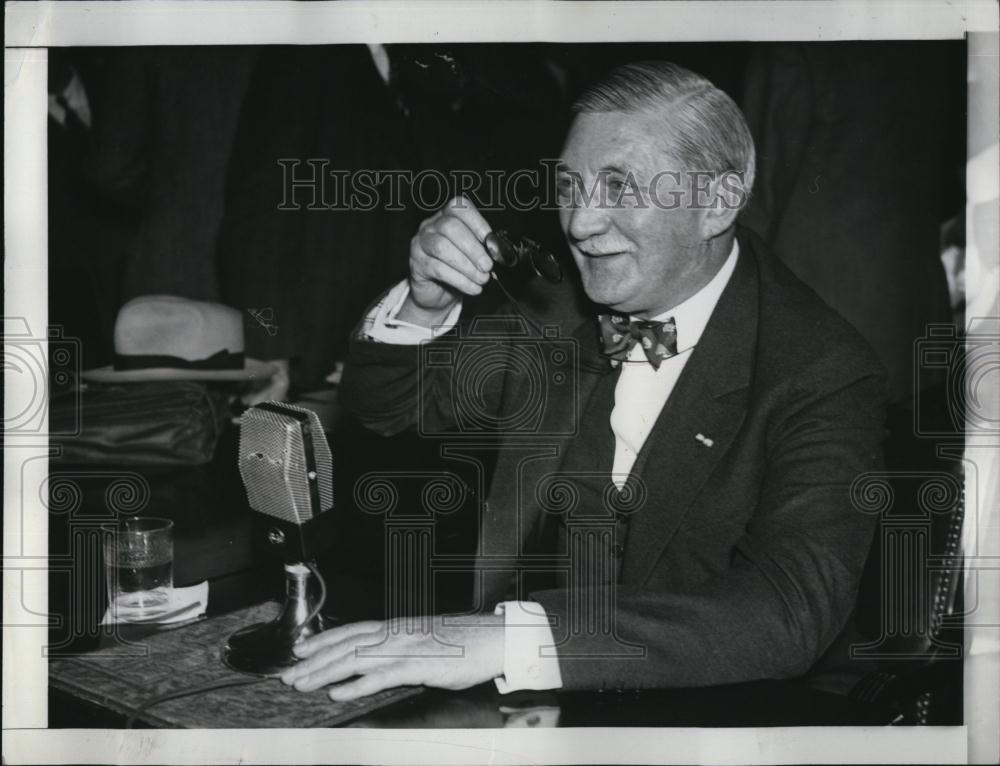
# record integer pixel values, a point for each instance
(285, 462)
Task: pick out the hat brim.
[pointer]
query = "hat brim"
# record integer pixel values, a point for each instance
(253, 369)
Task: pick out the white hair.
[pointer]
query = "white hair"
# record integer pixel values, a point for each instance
(708, 132)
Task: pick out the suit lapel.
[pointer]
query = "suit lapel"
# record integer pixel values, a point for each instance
(504, 530)
(583, 374)
(709, 400)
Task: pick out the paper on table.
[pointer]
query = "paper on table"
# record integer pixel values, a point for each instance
(185, 604)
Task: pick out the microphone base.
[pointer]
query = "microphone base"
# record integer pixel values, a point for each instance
(265, 649)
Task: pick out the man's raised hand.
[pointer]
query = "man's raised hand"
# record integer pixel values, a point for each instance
(447, 262)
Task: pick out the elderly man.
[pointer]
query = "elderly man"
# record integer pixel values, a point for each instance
(714, 420)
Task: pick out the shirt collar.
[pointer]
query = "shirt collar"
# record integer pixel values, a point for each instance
(692, 315)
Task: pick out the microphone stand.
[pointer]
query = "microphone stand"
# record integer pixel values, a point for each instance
(265, 649)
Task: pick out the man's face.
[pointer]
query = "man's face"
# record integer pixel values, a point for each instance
(642, 255)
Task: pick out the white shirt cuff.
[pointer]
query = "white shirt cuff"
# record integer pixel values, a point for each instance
(381, 325)
(526, 632)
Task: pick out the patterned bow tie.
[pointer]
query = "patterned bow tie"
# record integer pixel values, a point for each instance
(619, 335)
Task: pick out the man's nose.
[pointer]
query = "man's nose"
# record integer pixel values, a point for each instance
(587, 219)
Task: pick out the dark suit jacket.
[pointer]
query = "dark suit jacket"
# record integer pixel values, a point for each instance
(743, 560)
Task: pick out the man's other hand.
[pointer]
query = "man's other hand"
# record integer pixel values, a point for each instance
(447, 261)
(404, 652)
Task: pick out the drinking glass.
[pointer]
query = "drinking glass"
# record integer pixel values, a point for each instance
(139, 561)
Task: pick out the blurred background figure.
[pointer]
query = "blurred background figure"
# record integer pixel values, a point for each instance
(168, 119)
(89, 231)
(297, 273)
(860, 149)
(301, 261)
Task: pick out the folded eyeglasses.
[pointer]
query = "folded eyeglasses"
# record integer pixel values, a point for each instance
(511, 251)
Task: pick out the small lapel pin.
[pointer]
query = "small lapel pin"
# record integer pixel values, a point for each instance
(704, 440)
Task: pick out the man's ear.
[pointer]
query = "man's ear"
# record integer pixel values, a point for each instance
(727, 196)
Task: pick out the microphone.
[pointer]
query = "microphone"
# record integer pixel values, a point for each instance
(287, 469)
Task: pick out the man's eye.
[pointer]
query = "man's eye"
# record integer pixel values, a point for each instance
(616, 189)
(624, 191)
(565, 190)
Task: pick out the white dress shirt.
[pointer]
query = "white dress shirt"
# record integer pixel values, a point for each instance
(530, 662)
(642, 390)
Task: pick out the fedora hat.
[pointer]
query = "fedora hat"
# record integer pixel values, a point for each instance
(167, 337)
